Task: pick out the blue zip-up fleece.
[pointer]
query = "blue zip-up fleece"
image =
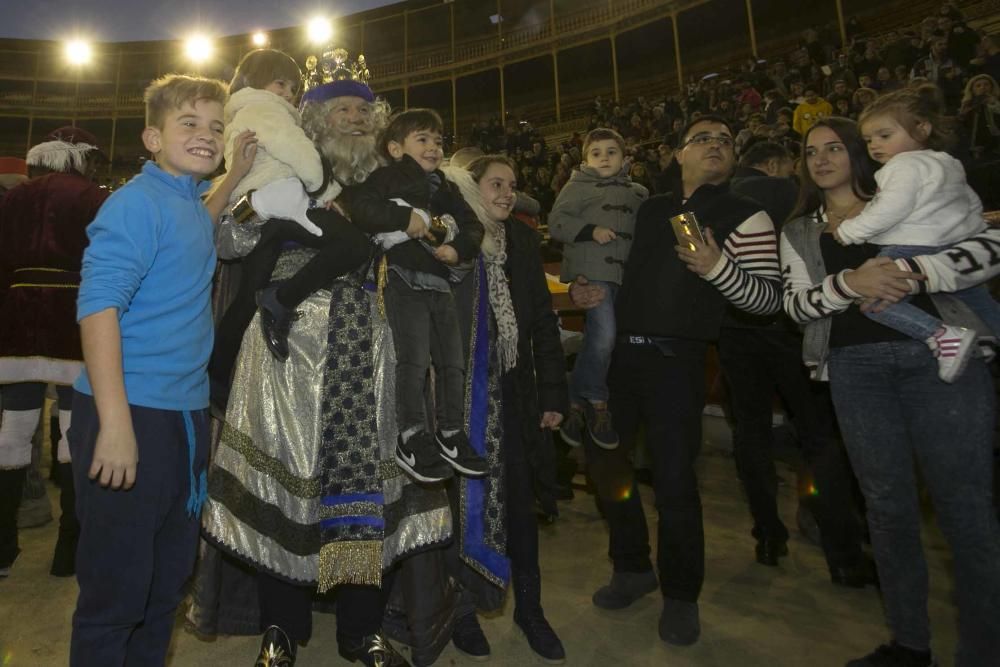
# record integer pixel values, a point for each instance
(151, 256)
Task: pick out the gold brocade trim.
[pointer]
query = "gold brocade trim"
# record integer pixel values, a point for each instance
(467, 405)
(268, 465)
(44, 268)
(361, 508)
(475, 565)
(381, 282)
(43, 285)
(472, 562)
(484, 572)
(357, 563)
(388, 469)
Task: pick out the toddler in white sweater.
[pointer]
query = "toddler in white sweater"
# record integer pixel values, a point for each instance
(923, 204)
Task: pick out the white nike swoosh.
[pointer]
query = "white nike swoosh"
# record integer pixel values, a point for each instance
(450, 453)
(410, 458)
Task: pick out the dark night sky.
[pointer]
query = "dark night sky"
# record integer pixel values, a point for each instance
(137, 20)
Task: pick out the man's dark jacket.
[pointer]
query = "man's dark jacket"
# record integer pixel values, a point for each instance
(659, 295)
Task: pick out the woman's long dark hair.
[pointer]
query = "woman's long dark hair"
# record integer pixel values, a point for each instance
(811, 197)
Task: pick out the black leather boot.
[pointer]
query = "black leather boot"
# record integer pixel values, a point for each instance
(64, 558)
(275, 321)
(372, 651)
(276, 649)
(11, 488)
(528, 616)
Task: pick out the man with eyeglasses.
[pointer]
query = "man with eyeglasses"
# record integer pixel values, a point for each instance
(670, 306)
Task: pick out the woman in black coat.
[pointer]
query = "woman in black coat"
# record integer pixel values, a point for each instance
(525, 353)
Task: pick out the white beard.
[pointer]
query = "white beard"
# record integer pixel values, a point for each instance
(353, 156)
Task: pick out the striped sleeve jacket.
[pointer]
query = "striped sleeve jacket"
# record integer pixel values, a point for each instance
(747, 274)
(963, 265)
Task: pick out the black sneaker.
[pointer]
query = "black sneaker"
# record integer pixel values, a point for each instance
(572, 427)
(419, 457)
(599, 425)
(275, 321)
(469, 639)
(373, 651)
(276, 649)
(894, 655)
(457, 451)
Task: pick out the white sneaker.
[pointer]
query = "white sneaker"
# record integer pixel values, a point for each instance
(952, 346)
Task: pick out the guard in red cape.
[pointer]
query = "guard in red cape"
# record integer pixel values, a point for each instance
(42, 238)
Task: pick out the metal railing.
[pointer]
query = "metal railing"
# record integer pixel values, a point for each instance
(507, 43)
(445, 60)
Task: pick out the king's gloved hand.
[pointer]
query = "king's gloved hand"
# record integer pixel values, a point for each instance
(284, 199)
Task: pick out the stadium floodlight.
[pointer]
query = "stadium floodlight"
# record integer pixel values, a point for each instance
(198, 48)
(319, 30)
(78, 52)
(259, 39)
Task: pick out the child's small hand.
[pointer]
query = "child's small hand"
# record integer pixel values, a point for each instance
(244, 152)
(584, 295)
(551, 420)
(447, 254)
(604, 235)
(115, 455)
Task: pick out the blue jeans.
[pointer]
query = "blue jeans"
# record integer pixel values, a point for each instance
(893, 412)
(921, 325)
(589, 381)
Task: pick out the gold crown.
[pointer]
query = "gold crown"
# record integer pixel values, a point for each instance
(335, 65)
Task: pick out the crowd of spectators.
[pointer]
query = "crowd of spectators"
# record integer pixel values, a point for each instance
(781, 99)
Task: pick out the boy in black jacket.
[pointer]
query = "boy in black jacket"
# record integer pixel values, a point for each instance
(396, 203)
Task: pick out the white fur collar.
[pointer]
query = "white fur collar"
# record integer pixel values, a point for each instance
(470, 192)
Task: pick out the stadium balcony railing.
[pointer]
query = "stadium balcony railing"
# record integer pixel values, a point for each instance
(578, 27)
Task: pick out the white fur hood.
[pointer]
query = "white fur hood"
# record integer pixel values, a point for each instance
(263, 100)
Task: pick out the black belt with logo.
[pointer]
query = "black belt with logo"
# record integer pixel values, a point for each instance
(661, 343)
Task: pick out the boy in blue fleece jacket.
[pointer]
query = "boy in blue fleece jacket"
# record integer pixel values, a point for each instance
(146, 326)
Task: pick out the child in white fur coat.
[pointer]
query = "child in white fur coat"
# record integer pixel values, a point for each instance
(263, 88)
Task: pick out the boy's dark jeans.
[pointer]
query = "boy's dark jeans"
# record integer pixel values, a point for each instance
(137, 548)
(342, 247)
(424, 327)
